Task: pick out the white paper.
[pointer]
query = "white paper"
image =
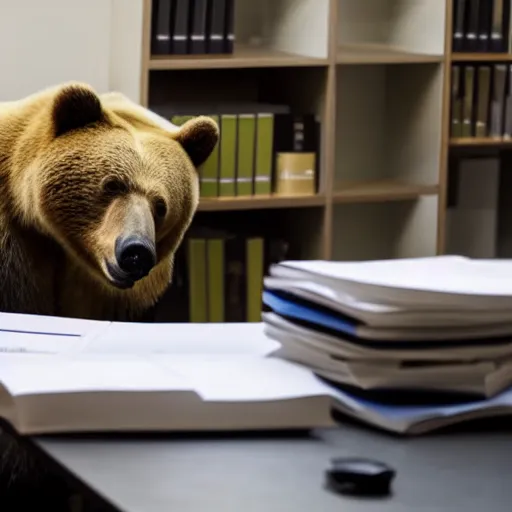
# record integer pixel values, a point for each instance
(39, 324)
(39, 374)
(445, 274)
(246, 378)
(21, 342)
(182, 338)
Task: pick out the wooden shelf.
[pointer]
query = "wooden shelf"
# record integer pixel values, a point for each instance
(259, 202)
(242, 57)
(381, 191)
(481, 57)
(381, 54)
(480, 141)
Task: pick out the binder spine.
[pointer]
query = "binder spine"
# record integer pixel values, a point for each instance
(180, 37)
(217, 26)
(198, 32)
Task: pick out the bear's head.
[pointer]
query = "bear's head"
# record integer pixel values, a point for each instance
(110, 184)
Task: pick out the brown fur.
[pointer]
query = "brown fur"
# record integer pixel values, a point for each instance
(75, 168)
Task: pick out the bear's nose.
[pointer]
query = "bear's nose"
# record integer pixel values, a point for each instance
(136, 256)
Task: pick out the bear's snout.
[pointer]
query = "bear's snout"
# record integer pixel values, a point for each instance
(136, 256)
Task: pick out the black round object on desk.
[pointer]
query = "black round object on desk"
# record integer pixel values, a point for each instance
(358, 476)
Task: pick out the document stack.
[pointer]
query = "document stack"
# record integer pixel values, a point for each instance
(409, 344)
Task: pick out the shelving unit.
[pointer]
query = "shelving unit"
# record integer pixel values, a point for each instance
(474, 215)
(374, 73)
(377, 74)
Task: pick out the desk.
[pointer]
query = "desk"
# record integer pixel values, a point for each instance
(463, 471)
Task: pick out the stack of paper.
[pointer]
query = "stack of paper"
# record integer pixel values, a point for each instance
(406, 337)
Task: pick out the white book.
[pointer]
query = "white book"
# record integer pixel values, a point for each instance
(180, 377)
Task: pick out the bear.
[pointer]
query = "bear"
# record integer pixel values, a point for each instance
(96, 195)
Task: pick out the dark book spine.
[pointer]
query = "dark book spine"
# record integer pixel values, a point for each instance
(471, 36)
(161, 27)
(198, 32)
(217, 26)
(235, 279)
(181, 32)
(229, 34)
(484, 25)
(459, 18)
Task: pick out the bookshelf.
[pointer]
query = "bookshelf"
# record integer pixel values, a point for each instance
(375, 73)
(477, 124)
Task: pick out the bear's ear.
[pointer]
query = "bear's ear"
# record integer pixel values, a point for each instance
(75, 106)
(198, 137)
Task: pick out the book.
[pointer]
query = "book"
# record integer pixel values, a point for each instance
(72, 376)
(198, 29)
(456, 103)
(498, 100)
(483, 101)
(139, 377)
(264, 154)
(471, 29)
(161, 36)
(468, 102)
(459, 16)
(228, 151)
(181, 29)
(229, 27)
(217, 26)
(246, 154)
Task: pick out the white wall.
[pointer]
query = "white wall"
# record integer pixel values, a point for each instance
(45, 42)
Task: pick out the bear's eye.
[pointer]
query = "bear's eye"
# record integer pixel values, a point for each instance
(160, 208)
(114, 186)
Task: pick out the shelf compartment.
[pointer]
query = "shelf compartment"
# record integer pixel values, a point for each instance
(242, 57)
(381, 54)
(382, 191)
(385, 230)
(418, 27)
(389, 124)
(302, 227)
(259, 202)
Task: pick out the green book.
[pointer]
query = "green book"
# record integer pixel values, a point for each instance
(197, 280)
(255, 256)
(245, 156)
(227, 156)
(209, 171)
(215, 265)
(180, 120)
(264, 150)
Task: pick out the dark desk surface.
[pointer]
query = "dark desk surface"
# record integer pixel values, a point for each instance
(462, 471)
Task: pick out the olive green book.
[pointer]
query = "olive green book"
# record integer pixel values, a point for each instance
(467, 108)
(228, 143)
(255, 255)
(215, 280)
(483, 101)
(245, 154)
(179, 120)
(209, 171)
(264, 154)
(197, 280)
(456, 111)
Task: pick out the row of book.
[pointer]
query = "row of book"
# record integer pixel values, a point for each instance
(218, 277)
(261, 153)
(183, 27)
(481, 26)
(481, 101)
